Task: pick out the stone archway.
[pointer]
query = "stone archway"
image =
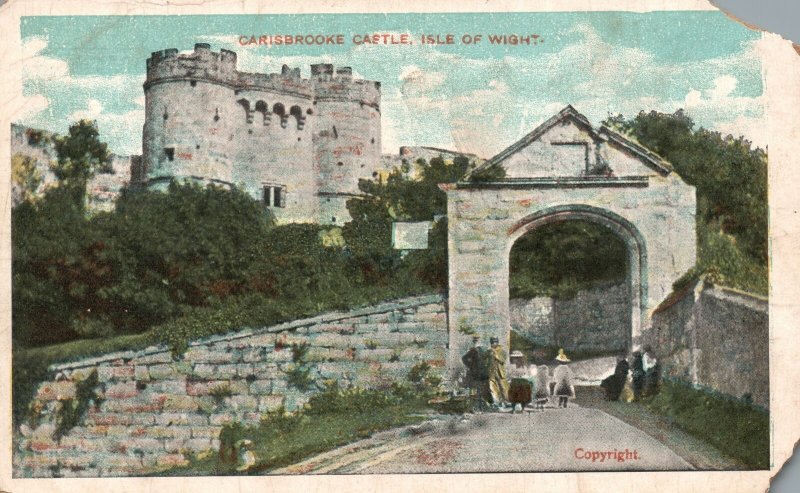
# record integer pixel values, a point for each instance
(564, 169)
(636, 274)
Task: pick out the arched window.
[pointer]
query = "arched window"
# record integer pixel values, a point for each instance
(248, 112)
(263, 108)
(297, 112)
(280, 110)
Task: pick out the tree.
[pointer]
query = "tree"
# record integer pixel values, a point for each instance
(400, 198)
(730, 177)
(80, 155)
(25, 176)
(562, 258)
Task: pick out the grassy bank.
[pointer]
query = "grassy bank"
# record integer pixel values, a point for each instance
(331, 419)
(735, 427)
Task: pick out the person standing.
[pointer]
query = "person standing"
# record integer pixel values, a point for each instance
(477, 372)
(652, 372)
(522, 381)
(613, 384)
(562, 376)
(637, 372)
(498, 385)
(542, 386)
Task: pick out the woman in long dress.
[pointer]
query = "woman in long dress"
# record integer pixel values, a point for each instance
(522, 381)
(542, 386)
(562, 376)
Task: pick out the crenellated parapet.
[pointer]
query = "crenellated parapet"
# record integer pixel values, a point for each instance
(220, 68)
(201, 64)
(337, 84)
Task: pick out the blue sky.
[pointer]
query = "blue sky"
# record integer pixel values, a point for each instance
(475, 98)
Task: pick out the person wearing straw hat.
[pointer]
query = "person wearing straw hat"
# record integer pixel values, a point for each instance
(498, 385)
(562, 376)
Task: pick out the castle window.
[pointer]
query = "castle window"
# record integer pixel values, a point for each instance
(340, 163)
(263, 108)
(247, 111)
(279, 109)
(274, 195)
(169, 152)
(193, 83)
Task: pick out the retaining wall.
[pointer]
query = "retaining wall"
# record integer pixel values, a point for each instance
(155, 411)
(714, 337)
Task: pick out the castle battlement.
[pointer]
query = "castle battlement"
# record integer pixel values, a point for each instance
(337, 84)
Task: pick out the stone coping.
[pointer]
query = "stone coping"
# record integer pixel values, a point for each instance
(384, 307)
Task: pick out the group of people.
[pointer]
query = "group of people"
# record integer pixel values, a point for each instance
(641, 377)
(493, 388)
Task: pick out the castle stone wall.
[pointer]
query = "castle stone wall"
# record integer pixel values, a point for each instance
(157, 411)
(714, 337)
(596, 319)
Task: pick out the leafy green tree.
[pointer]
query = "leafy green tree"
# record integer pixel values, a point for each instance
(400, 198)
(730, 177)
(187, 247)
(562, 258)
(48, 240)
(729, 174)
(25, 175)
(80, 155)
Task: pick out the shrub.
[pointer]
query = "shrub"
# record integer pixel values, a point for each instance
(734, 426)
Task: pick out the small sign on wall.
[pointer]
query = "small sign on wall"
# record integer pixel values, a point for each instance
(410, 236)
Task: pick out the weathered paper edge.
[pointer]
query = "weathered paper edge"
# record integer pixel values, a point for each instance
(782, 94)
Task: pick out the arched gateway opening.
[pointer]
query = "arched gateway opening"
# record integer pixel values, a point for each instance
(576, 280)
(564, 170)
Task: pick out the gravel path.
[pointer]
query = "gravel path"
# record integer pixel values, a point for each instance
(573, 439)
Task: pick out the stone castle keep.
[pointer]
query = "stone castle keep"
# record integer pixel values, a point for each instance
(299, 145)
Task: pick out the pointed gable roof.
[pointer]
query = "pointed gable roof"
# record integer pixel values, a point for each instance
(604, 134)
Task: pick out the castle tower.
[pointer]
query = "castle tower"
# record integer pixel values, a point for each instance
(188, 109)
(298, 145)
(207, 122)
(347, 137)
(272, 144)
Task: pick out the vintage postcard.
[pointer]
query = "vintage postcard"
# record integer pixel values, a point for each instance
(361, 247)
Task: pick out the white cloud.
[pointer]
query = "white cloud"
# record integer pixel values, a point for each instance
(51, 79)
(415, 80)
(723, 87)
(31, 106)
(91, 112)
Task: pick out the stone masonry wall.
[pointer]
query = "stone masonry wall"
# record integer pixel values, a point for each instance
(594, 319)
(714, 337)
(155, 411)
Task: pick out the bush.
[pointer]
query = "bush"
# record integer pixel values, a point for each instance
(734, 426)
